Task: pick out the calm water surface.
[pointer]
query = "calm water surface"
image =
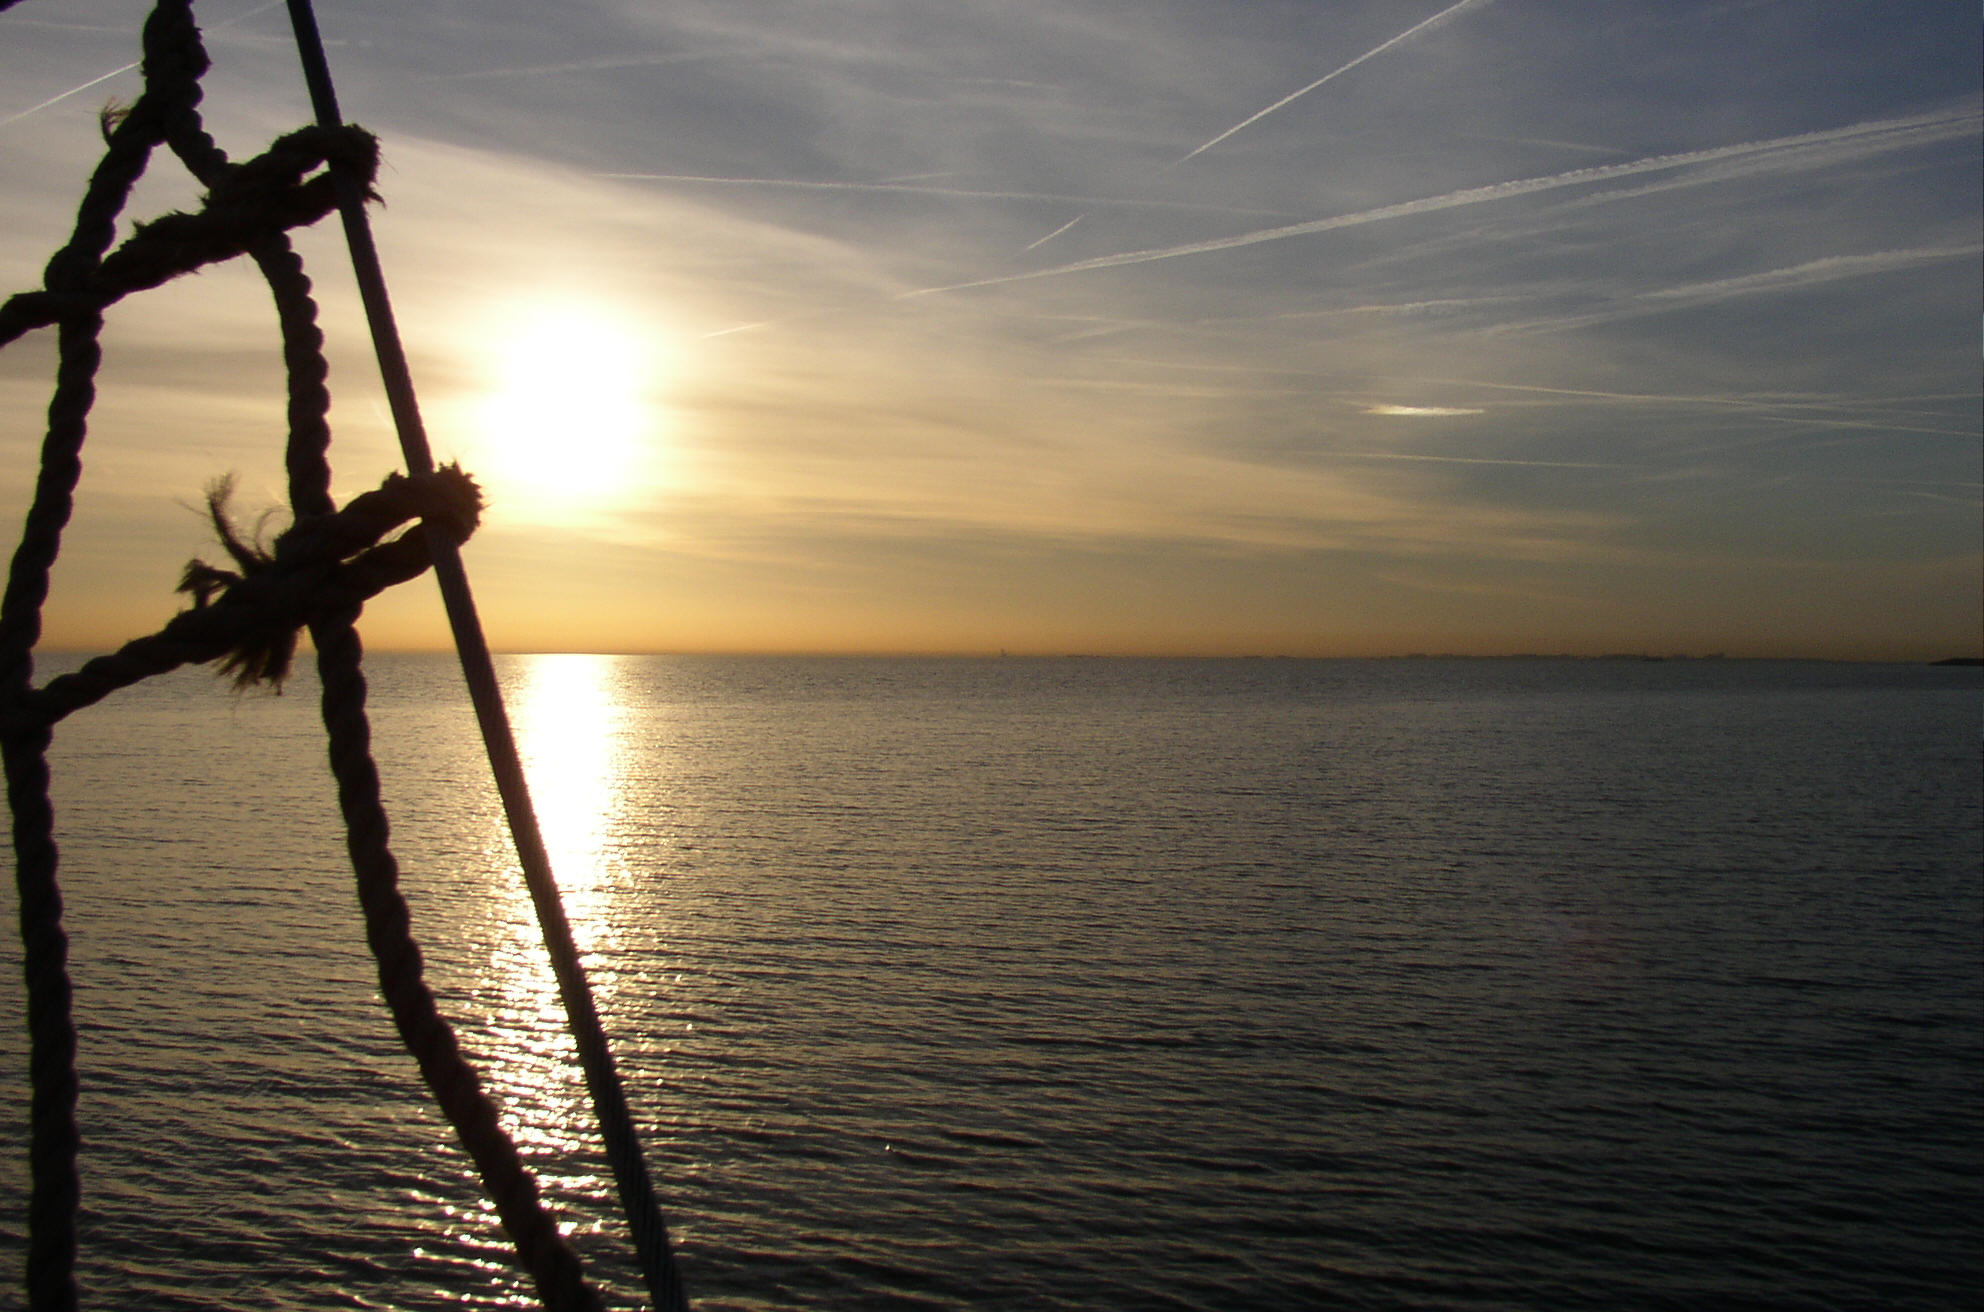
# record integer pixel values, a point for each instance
(1079, 984)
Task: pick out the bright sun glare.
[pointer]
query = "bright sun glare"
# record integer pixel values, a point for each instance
(566, 420)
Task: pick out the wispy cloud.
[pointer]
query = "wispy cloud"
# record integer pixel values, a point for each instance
(1249, 443)
(1812, 273)
(1891, 414)
(1552, 143)
(1791, 278)
(1483, 460)
(1807, 150)
(603, 64)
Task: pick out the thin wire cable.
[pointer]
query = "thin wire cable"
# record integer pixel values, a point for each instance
(616, 1126)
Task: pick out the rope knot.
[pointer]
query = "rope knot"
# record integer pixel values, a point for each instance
(279, 189)
(321, 564)
(271, 189)
(286, 186)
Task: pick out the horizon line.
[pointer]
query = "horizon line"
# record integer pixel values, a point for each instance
(1169, 654)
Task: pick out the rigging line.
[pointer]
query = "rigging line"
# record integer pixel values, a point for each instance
(609, 1100)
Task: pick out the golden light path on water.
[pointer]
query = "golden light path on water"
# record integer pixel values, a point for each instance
(569, 725)
(570, 729)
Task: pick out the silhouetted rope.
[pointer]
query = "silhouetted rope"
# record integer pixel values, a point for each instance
(560, 1282)
(595, 1056)
(51, 1065)
(316, 575)
(248, 621)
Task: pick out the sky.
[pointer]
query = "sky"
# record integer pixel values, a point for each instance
(1330, 327)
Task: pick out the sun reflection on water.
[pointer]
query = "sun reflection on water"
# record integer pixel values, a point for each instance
(570, 724)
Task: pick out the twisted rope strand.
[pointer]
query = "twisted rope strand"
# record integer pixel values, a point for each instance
(269, 191)
(295, 588)
(544, 1253)
(622, 1142)
(56, 1190)
(319, 574)
(53, 1137)
(448, 504)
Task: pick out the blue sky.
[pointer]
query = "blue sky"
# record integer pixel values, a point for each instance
(1509, 326)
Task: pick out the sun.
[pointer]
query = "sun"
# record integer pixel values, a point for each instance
(566, 419)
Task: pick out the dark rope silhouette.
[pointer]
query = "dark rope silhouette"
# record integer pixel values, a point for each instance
(595, 1056)
(315, 576)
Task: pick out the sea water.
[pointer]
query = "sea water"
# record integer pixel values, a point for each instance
(1055, 983)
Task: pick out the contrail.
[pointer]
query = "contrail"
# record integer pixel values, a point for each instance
(1057, 232)
(77, 90)
(965, 193)
(1798, 276)
(1874, 136)
(1793, 278)
(58, 99)
(1414, 30)
(1373, 53)
(736, 328)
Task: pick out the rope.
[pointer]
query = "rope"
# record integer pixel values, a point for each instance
(56, 1189)
(616, 1125)
(317, 575)
(542, 1250)
(306, 578)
